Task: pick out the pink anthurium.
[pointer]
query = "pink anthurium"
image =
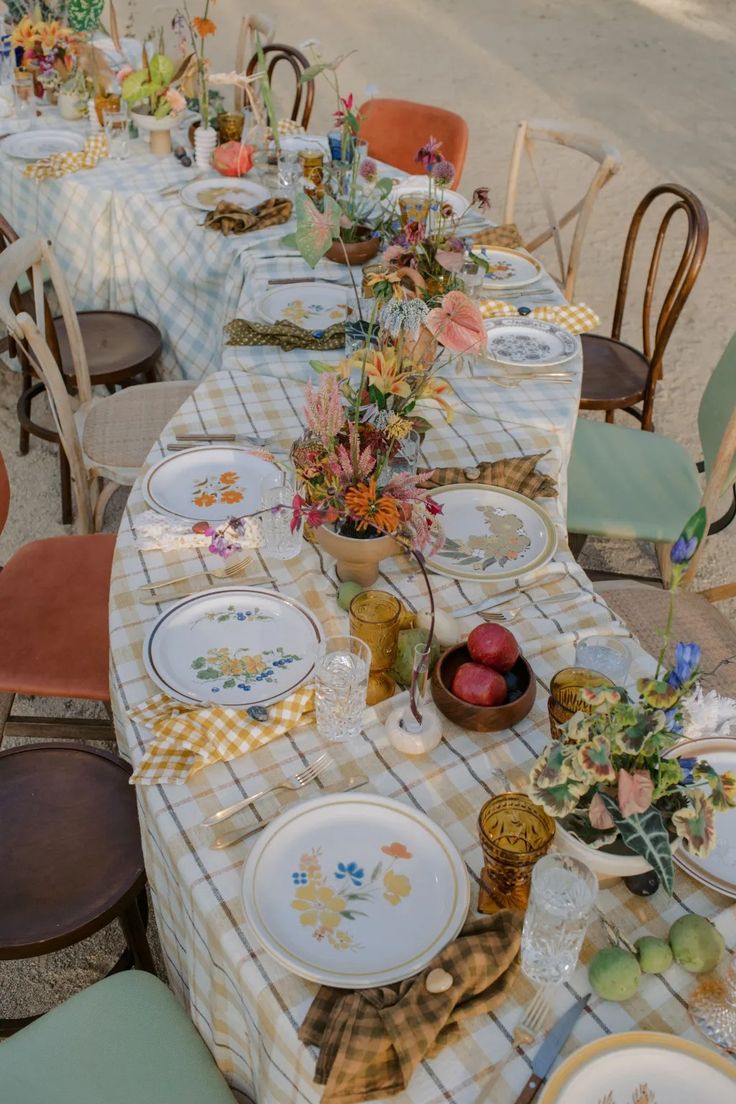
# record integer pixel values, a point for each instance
(457, 323)
(634, 791)
(599, 815)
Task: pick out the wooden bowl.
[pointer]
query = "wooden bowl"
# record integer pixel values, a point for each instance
(479, 718)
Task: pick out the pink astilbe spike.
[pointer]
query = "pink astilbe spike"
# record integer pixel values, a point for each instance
(324, 412)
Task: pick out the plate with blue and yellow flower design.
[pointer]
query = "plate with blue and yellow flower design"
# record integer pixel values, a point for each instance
(355, 890)
(233, 646)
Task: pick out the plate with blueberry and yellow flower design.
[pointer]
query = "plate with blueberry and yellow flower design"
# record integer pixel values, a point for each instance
(491, 533)
(312, 306)
(233, 646)
(355, 890)
(212, 483)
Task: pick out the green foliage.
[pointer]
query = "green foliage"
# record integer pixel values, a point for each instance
(645, 835)
(84, 15)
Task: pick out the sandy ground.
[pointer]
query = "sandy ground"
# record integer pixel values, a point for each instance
(655, 77)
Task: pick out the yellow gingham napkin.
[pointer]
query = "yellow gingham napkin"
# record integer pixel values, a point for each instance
(59, 164)
(191, 737)
(575, 317)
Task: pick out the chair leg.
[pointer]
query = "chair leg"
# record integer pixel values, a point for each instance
(151, 375)
(6, 705)
(25, 437)
(576, 542)
(65, 480)
(665, 563)
(719, 593)
(134, 930)
(104, 497)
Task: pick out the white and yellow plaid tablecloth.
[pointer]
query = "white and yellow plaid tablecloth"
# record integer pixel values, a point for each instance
(245, 1005)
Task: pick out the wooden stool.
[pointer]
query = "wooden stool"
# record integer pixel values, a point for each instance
(70, 854)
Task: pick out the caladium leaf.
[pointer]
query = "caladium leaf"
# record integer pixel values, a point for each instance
(646, 835)
(162, 70)
(315, 229)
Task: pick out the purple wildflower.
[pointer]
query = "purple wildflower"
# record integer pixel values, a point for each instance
(369, 170)
(443, 172)
(427, 154)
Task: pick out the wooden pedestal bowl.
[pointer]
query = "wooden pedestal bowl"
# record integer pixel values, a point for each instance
(480, 718)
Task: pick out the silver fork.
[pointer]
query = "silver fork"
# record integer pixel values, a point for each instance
(536, 1015)
(512, 614)
(314, 770)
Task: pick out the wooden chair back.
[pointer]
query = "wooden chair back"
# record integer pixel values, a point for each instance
(4, 493)
(717, 428)
(20, 302)
(528, 135)
(396, 129)
(656, 333)
(276, 52)
(32, 254)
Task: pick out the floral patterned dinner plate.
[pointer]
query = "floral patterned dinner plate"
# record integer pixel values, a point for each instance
(211, 483)
(529, 342)
(355, 890)
(718, 869)
(237, 646)
(205, 194)
(491, 534)
(313, 306)
(642, 1067)
(507, 268)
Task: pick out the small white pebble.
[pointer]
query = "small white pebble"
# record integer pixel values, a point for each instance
(438, 981)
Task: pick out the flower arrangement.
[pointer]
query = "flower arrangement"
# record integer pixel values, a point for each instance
(155, 86)
(613, 777)
(426, 238)
(48, 45)
(197, 28)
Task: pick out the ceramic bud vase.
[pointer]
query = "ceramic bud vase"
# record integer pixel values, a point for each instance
(205, 140)
(415, 727)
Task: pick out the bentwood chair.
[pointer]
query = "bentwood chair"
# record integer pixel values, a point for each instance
(104, 438)
(530, 135)
(54, 628)
(120, 348)
(275, 53)
(396, 129)
(122, 1040)
(630, 485)
(616, 376)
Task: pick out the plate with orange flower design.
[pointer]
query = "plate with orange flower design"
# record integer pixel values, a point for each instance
(355, 890)
(491, 533)
(232, 646)
(211, 483)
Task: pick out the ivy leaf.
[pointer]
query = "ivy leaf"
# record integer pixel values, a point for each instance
(84, 15)
(209, 674)
(645, 835)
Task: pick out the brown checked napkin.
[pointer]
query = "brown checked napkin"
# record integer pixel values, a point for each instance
(507, 236)
(285, 334)
(515, 473)
(372, 1040)
(230, 218)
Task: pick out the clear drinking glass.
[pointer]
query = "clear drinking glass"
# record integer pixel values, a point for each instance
(341, 684)
(608, 655)
(116, 128)
(472, 277)
(23, 86)
(279, 541)
(289, 171)
(713, 1008)
(562, 897)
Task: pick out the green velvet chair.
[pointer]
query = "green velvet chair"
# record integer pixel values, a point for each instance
(623, 483)
(124, 1040)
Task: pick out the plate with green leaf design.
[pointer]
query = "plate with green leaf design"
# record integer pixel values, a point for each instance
(491, 533)
(355, 890)
(234, 646)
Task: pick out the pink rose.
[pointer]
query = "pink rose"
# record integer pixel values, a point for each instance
(175, 99)
(124, 72)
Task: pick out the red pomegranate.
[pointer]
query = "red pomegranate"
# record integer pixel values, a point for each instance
(233, 159)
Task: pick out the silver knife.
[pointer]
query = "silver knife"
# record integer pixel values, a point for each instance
(549, 1051)
(343, 786)
(309, 280)
(250, 438)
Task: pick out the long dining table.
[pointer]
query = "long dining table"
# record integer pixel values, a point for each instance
(246, 1006)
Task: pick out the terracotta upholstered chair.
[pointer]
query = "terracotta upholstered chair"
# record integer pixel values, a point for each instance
(120, 348)
(617, 376)
(54, 627)
(396, 129)
(105, 438)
